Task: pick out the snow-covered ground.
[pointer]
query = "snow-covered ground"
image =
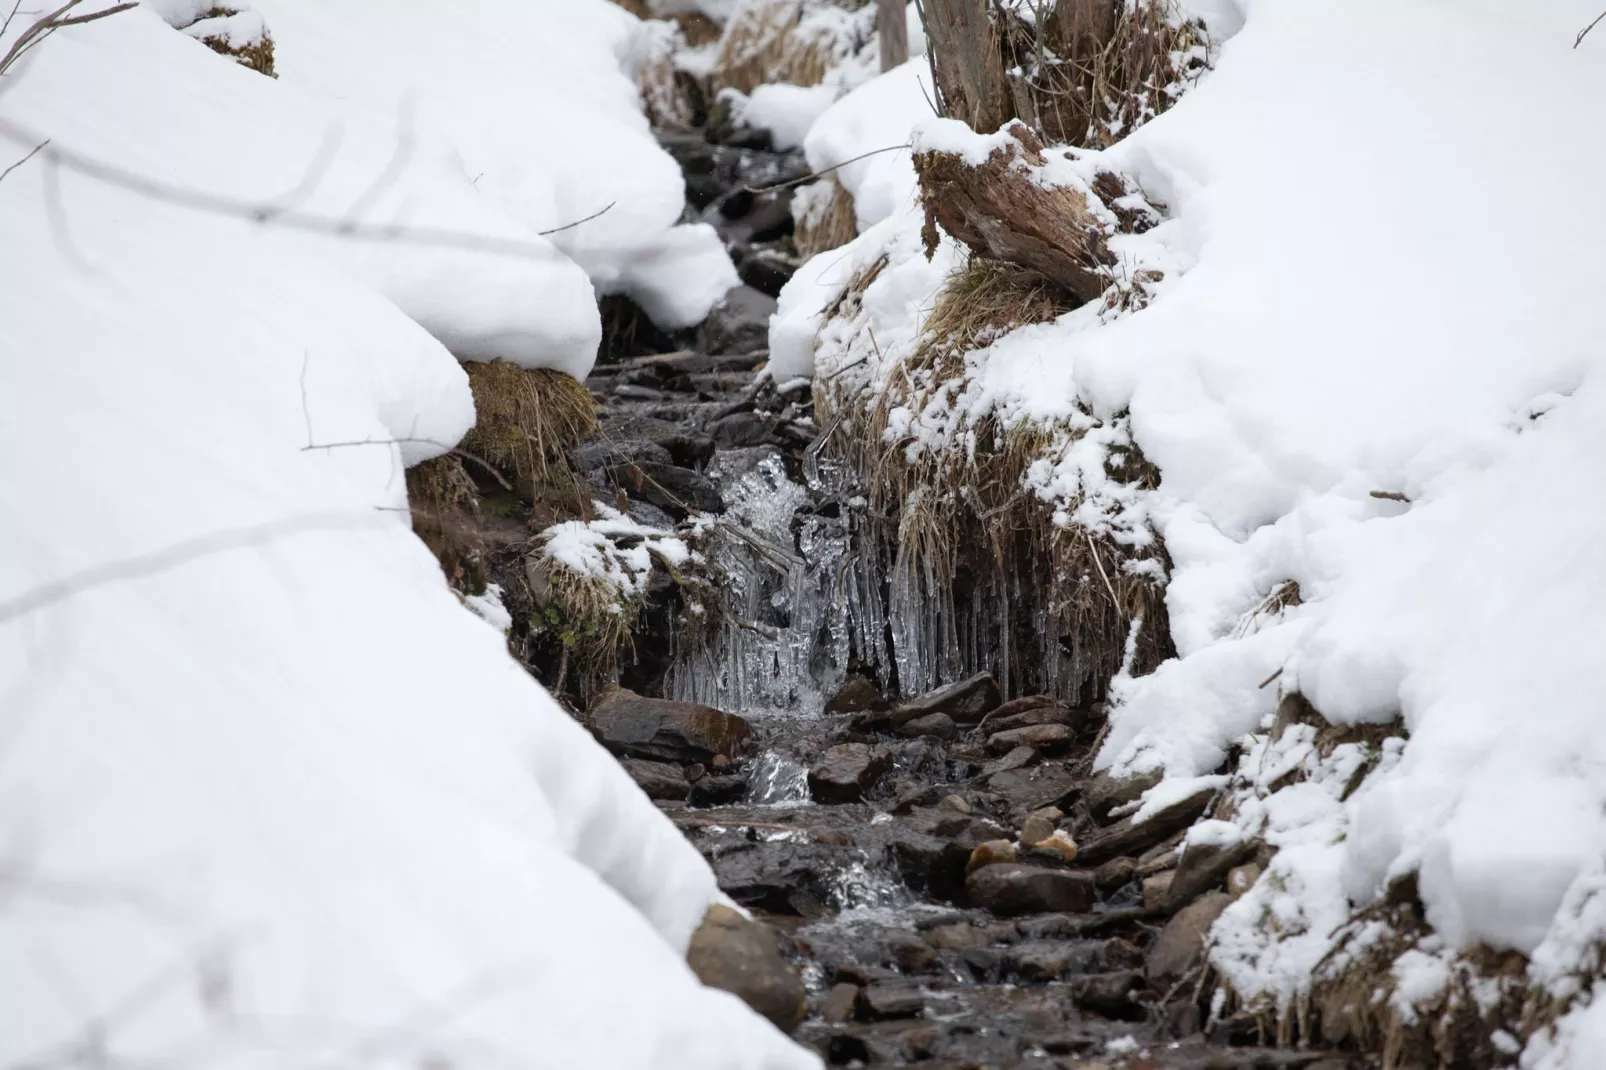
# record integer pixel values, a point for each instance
(269, 794)
(1374, 367)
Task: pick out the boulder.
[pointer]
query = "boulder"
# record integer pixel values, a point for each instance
(718, 790)
(778, 877)
(739, 322)
(1048, 738)
(1019, 758)
(839, 1002)
(879, 1002)
(966, 701)
(1180, 945)
(659, 780)
(846, 772)
(1011, 888)
(738, 955)
(857, 693)
(659, 729)
(933, 725)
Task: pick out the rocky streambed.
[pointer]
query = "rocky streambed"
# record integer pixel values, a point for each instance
(944, 879)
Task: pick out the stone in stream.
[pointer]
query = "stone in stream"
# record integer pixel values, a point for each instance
(990, 853)
(766, 269)
(857, 693)
(1037, 715)
(1019, 758)
(741, 429)
(1048, 738)
(846, 772)
(1031, 789)
(606, 454)
(689, 449)
(966, 701)
(1110, 994)
(740, 322)
(660, 780)
(678, 491)
(1106, 793)
(1115, 874)
(956, 803)
(1126, 837)
(910, 953)
(839, 1002)
(932, 725)
(779, 877)
(659, 729)
(1043, 960)
(718, 790)
(1011, 888)
(1180, 945)
(738, 955)
(878, 1002)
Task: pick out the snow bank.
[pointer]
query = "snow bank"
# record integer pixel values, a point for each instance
(877, 115)
(540, 105)
(269, 794)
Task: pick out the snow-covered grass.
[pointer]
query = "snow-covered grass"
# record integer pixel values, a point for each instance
(1338, 390)
(270, 794)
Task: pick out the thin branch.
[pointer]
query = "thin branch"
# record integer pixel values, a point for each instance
(6, 25)
(443, 447)
(823, 171)
(79, 20)
(31, 154)
(577, 222)
(1585, 31)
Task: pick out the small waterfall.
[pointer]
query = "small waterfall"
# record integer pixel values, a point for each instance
(777, 780)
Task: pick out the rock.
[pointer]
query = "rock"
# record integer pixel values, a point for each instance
(1019, 705)
(766, 270)
(738, 955)
(1204, 866)
(1031, 789)
(1109, 994)
(1242, 878)
(1019, 758)
(839, 1002)
(739, 322)
(778, 877)
(1105, 793)
(957, 803)
(1059, 841)
(1119, 953)
(857, 693)
(934, 725)
(1180, 945)
(1125, 837)
(656, 728)
(1039, 715)
(678, 491)
(966, 701)
(606, 454)
(962, 935)
(1157, 888)
(909, 952)
(1116, 873)
(879, 1002)
(1010, 888)
(689, 449)
(1041, 960)
(859, 974)
(718, 790)
(990, 853)
(1035, 830)
(659, 780)
(846, 772)
(1048, 738)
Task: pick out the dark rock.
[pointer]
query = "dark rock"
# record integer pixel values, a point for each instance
(1180, 945)
(839, 1002)
(781, 878)
(740, 322)
(610, 453)
(958, 936)
(846, 772)
(1039, 715)
(1047, 738)
(1119, 953)
(909, 952)
(743, 429)
(856, 694)
(656, 728)
(1105, 793)
(928, 863)
(718, 790)
(1041, 960)
(1033, 788)
(659, 780)
(859, 975)
(1012, 888)
(1020, 705)
(934, 725)
(689, 449)
(766, 270)
(1114, 874)
(738, 955)
(1204, 866)
(1126, 838)
(1019, 758)
(676, 490)
(966, 701)
(1109, 994)
(882, 1001)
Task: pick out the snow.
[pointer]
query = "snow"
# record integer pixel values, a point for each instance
(592, 549)
(1330, 337)
(877, 115)
(786, 111)
(526, 99)
(270, 794)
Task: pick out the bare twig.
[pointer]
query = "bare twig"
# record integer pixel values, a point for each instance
(577, 222)
(823, 171)
(1585, 31)
(31, 154)
(411, 441)
(46, 25)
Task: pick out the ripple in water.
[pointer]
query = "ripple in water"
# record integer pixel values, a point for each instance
(777, 780)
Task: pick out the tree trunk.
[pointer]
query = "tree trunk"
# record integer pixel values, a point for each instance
(967, 61)
(892, 26)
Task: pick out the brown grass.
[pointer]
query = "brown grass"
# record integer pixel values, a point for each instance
(525, 420)
(828, 220)
(445, 513)
(256, 56)
(768, 42)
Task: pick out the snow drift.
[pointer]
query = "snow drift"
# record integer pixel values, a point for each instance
(269, 795)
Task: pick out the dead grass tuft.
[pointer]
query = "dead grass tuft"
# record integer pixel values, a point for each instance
(825, 217)
(525, 420)
(445, 514)
(256, 56)
(774, 41)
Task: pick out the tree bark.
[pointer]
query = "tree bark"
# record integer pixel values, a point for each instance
(892, 26)
(967, 61)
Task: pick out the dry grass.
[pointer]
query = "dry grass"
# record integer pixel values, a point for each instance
(826, 219)
(588, 618)
(771, 41)
(256, 56)
(524, 422)
(445, 514)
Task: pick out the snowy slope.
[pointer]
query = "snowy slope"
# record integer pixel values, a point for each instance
(269, 795)
(1375, 368)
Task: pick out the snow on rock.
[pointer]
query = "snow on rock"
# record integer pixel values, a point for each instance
(539, 105)
(271, 795)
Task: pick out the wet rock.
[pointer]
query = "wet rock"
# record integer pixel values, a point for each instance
(766, 270)
(909, 952)
(678, 491)
(1033, 788)
(1019, 758)
(846, 772)
(1035, 830)
(739, 322)
(718, 790)
(1041, 960)
(879, 1002)
(1116, 873)
(857, 693)
(659, 780)
(928, 863)
(1109, 994)
(1037, 715)
(779, 877)
(1180, 945)
(687, 448)
(1204, 866)
(1157, 888)
(933, 725)
(655, 728)
(839, 1002)
(1242, 878)
(1125, 837)
(1011, 888)
(607, 454)
(966, 701)
(957, 803)
(739, 956)
(1119, 953)
(1048, 738)
(1106, 793)
(990, 853)
(960, 936)
(742, 429)
(1020, 705)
